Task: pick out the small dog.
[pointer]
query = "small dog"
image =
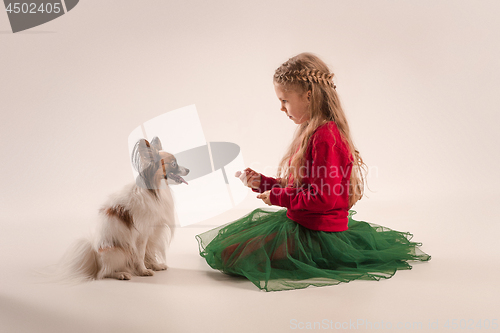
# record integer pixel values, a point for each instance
(136, 224)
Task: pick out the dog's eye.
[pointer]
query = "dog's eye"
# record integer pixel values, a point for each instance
(174, 164)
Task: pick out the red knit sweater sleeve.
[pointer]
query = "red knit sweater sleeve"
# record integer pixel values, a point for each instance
(325, 167)
(266, 183)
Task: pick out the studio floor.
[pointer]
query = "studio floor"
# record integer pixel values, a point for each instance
(456, 291)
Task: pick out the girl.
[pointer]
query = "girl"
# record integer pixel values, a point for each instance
(315, 240)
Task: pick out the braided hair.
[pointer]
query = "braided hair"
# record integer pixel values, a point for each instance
(305, 75)
(306, 72)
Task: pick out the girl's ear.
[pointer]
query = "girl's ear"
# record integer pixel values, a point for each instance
(309, 95)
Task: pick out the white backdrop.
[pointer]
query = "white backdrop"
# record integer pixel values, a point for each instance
(419, 81)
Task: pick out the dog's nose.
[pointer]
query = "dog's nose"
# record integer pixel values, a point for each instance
(187, 170)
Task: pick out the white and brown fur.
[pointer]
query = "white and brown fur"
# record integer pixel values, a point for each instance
(135, 224)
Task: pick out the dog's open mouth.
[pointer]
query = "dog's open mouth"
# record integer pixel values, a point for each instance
(176, 178)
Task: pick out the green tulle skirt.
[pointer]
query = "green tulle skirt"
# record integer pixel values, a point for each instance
(276, 253)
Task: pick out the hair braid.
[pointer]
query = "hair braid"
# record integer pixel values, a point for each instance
(304, 75)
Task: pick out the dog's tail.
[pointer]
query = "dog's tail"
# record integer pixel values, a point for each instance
(79, 264)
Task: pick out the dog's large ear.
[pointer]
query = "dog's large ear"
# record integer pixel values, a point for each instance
(156, 144)
(142, 155)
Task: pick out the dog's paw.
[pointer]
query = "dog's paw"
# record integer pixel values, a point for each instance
(147, 272)
(158, 267)
(123, 276)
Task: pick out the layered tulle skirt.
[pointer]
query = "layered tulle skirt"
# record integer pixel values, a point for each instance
(276, 253)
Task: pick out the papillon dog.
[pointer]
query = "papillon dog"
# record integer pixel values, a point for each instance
(135, 225)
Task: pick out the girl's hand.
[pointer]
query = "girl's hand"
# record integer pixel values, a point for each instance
(249, 178)
(265, 197)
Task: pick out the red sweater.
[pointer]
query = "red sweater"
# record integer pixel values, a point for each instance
(322, 202)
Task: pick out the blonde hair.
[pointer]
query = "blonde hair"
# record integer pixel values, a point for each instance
(306, 72)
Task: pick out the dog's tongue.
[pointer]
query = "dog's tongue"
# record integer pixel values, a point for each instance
(182, 180)
(177, 178)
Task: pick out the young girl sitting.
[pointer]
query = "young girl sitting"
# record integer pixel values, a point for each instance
(315, 240)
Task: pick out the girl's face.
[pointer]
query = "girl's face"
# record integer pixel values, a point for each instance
(294, 104)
